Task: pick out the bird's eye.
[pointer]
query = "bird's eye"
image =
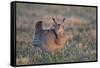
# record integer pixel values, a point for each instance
(58, 24)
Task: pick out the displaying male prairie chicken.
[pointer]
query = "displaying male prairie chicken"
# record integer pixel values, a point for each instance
(52, 39)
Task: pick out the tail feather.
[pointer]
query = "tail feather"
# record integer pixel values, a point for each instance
(36, 38)
(38, 26)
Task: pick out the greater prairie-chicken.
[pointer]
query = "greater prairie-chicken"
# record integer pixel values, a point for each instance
(52, 39)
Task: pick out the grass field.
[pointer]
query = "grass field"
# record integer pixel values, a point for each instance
(82, 46)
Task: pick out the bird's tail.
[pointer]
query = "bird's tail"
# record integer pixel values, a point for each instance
(38, 26)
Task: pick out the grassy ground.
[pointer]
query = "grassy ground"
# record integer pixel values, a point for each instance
(82, 46)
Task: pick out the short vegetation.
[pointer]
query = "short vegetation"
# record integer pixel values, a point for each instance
(81, 47)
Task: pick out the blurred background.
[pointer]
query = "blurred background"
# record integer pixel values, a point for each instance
(80, 26)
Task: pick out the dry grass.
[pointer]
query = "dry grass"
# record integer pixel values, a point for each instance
(81, 47)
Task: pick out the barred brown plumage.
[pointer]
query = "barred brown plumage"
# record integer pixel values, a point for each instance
(52, 39)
